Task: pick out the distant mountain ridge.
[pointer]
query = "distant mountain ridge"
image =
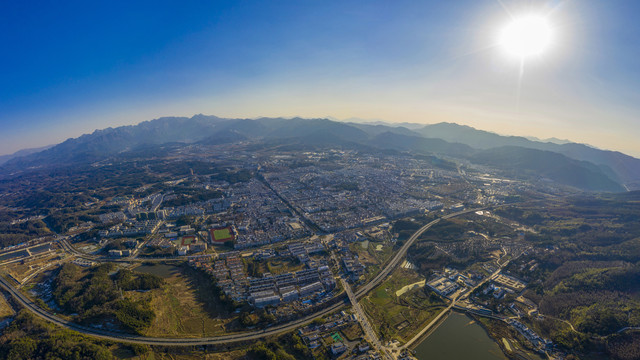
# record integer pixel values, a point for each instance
(571, 164)
(548, 164)
(23, 152)
(626, 168)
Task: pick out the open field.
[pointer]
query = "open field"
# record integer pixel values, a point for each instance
(5, 309)
(373, 256)
(29, 266)
(152, 355)
(415, 285)
(400, 317)
(185, 306)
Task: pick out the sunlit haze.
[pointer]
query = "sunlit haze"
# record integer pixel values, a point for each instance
(526, 36)
(70, 68)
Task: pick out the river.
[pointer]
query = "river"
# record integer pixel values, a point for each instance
(459, 337)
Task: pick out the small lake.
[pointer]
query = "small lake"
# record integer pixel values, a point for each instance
(162, 270)
(459, 337)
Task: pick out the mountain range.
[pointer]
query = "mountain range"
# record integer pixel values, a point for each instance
(23, 152)
(572, 164)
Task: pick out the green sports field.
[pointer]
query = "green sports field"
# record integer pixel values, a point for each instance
(222, 234)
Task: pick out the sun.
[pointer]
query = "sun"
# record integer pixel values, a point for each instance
(526, 36)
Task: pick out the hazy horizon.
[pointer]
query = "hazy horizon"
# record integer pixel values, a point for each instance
(73, 68)
(346, 120)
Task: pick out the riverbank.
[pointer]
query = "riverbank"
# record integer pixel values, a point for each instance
(500, 333)
(431, 330)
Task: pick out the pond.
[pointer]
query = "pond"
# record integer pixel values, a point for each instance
(459, 337)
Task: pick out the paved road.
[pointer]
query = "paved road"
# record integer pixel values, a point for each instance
(364, 322)
(223, 339)
(110, 335)
(459, 296)
(66, 246)
(400, 254)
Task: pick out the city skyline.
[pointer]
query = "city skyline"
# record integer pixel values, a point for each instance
(74, 68)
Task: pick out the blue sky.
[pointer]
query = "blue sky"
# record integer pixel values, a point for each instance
(70, 67)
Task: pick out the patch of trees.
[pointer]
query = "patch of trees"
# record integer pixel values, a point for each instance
(192, 195)
(46, 199)
(257, 317)
(184, 167)
(157, 251)
(18, 233)
(405, 228)
(135, 316)
(349, 186)
(128, 280)
(625, 346)
(94, 296)
(30, 338)
(597, 300)
(300, 164)
(588, 222)
(285, 348)
(115, 244)
(234, 177)
(438, 162)
(74, 185)
(63, 220)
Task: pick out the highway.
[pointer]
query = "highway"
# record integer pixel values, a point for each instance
(137, 339)
(403, 251)
(75, 252)
(222, 339)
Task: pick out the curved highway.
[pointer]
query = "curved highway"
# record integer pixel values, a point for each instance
(222, 339)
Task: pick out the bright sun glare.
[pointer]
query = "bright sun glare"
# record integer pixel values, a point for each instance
(526, 36)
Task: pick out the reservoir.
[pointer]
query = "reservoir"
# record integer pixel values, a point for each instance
(459, 337)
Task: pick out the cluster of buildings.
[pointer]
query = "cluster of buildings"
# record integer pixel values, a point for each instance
(112, 217)
(497, 291)
(189, 244)
(353, 267)
(260, 216)
(349, 197)
(131, 228)
(535, 339)
(302, 250)
(121, 253)
(313, 334)
(269, 289)
(450, 280)
(510, 282)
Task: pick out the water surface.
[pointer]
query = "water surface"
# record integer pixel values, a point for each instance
(459, 337)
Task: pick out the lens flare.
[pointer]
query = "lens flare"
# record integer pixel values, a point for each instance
(526, 36)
